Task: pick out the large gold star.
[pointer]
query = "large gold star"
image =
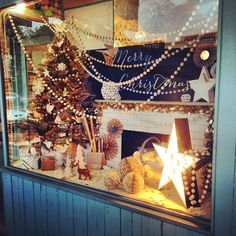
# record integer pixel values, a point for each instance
(174, 164)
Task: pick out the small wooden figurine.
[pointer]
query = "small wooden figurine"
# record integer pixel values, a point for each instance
(84, 173)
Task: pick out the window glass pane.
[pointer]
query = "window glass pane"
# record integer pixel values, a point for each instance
(122, 101)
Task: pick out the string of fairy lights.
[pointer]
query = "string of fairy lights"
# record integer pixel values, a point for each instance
(94, 73)
(102, 79)
(61, 99)
(160, 91)
(188, 25)
(99, 77)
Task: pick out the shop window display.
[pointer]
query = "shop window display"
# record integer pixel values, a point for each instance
(125, 109)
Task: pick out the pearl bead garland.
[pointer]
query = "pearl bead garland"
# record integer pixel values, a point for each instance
(62, 100)
(155, 36)
(49, 26)
(190, 191)
(155, 62)
(165, 83)
(203, 22)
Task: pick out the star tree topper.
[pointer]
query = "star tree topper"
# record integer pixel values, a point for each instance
(175, 163)
(202, 85)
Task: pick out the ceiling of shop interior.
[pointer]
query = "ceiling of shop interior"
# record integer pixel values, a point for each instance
(77, 3)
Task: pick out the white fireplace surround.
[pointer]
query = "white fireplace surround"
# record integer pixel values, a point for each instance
(154, 122)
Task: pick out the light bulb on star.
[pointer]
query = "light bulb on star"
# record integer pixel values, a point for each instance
(175, 163)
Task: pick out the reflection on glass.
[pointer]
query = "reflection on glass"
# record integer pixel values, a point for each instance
(155, 21)
(160, 57)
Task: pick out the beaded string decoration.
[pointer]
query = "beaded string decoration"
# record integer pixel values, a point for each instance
(53, 92)
(146, 36)
(155, 62)
(152, 64)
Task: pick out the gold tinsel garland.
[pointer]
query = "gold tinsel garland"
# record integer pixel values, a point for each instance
(201, 109)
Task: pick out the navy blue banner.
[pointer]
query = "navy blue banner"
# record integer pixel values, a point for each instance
(153, 80)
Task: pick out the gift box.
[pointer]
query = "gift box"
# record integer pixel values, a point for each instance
(48, 163)
(31, 162)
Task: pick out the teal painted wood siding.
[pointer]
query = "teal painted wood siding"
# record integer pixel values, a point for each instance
(36, 209)
(5, 3)
(32, 208)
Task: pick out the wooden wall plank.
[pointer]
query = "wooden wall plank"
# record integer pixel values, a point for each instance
(183, 232)
(112, 220)
(80, 216)
(196, 234)
(8, 204)
(29, 207)
(16, 206)
(150, 226)
(62, 213)
(40, 197)
(168, 229)
(69, 214)
(21, 205)
(50, 211)
(137, 224)
(96, 217)
(53, 211)
(172, 230)
(126, 222)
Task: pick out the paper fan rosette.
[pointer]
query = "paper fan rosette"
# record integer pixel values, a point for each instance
(110, 146)
(204, 55)
(115, 128)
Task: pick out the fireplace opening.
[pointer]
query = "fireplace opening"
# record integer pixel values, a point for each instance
(133, 140)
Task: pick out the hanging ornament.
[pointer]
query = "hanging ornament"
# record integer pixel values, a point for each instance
(65, 92)
(110, 92)
(46, 73)
(115, 128)
(204, 55)
(58, 120)
(203, 86)
(61, 66)
(186, 97)
(38, 86)
(110, 147)
(49, 108)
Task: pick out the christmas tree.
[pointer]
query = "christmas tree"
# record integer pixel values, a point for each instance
(63, 104)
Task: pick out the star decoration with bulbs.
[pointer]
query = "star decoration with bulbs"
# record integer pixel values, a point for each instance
(175, 164)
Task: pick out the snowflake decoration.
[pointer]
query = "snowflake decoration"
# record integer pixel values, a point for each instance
(38, 86)
(61, 66)
(110, 92)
